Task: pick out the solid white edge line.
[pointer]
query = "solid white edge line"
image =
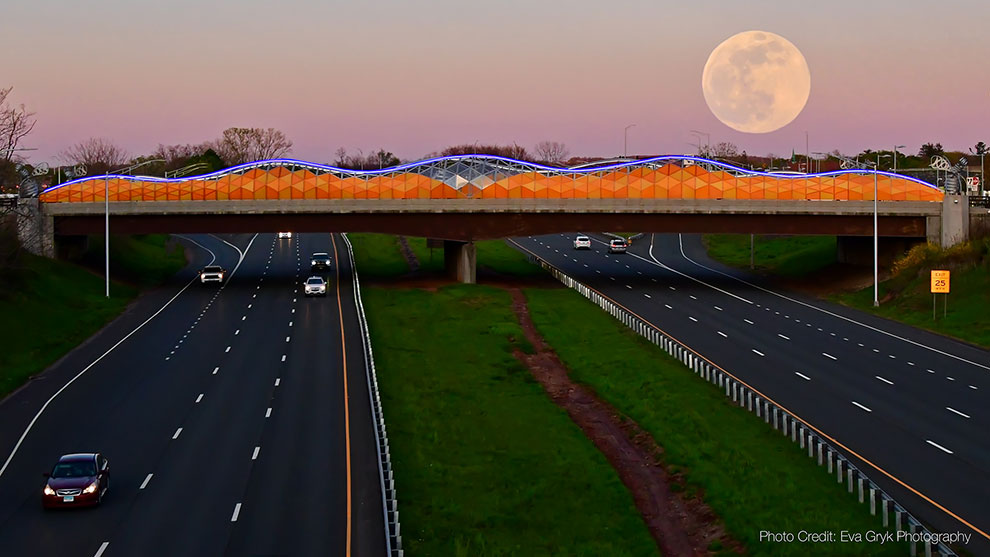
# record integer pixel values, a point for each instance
(802, 376)
(103, 547)
(937, 446)
(887, 381)
(953, 410)
(861, 406)
(147, 479)
(661, 265)
(237, 511)
(827, 312)
(27, 430)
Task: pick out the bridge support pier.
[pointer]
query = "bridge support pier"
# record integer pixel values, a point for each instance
(460, 259)
(955, 219)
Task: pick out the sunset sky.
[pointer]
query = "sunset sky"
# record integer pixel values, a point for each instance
(413, 77)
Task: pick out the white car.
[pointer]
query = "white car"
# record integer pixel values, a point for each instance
(582, 242)
(315, 286)
(617, 246)
(284, 235)
(211, 273)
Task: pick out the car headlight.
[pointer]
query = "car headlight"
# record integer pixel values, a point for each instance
(91, 488)
(49, 490)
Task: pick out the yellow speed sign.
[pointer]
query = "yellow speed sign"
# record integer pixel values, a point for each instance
(940, 282)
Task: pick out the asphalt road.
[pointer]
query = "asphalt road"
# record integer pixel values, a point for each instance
(913, 405)
(224, 417)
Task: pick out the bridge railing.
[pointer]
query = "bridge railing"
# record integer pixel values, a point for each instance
(916, 534)
(393, 534)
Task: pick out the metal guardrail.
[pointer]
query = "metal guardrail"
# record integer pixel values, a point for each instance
(774, 415)
(393, 535)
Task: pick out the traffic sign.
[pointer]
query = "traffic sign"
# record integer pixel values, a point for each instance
(940, 282)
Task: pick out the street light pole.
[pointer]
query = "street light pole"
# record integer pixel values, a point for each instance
(896, 147)
(106, 205)
(876, 240)
(625, 140)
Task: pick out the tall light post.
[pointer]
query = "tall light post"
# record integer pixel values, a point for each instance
(708, 138)
(896, 147)
(106, 205)
(876, 237)
(625, 140)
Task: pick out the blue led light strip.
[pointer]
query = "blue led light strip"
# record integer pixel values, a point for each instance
(534, 166)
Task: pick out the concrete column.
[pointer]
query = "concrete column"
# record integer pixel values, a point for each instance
(955, 220)
(460, 259)
(35, 228)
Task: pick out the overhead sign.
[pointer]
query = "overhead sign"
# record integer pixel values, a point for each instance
(940, 282)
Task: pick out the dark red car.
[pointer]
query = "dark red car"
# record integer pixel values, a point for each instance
(78, 480)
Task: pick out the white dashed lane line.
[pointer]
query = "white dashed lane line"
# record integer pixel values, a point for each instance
(757, 352)
(287, 339)
(268, 413)
(278, 381)
(283, 357)
(177, 433)
(723, 334)
(255, 455)
(237, 511)
(930, 370)
(783, 336)
(629, 287)
(103, 547)
(887, 381)
(648, 296)
(748, 321)
(937, 446)
(829, 356)
(972, 387)
(199, 398)
(237, 332)
(954, 411)
(215, 370)
(861, 406)
(227, 350)
(692, 297)
(718, 308)
(668, 306)
(147, 479)
(802, 376)
(692, 319)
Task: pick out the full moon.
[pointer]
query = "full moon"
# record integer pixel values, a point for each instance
(756, 82)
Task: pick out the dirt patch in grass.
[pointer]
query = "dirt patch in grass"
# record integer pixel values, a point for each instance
(408, 253)
(681, 523)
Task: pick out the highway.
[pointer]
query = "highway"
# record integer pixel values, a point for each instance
(236, 418)
(914, 406)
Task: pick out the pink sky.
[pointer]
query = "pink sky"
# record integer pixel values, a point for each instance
(415, 77)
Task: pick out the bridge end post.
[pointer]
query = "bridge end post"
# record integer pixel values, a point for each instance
(955, 220)
(460, 259)
(35, 228)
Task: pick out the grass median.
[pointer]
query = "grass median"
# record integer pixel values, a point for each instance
(49, 307)
(485, 463)
(750, 475)
(787, 256)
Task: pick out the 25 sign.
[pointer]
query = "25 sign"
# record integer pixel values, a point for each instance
(940, 282)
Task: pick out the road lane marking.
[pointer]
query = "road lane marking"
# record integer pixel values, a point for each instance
(237, 511)
(692, 297)
(103, 547)
(827, 355)
(227, 350)
(937, 446)
(892, 357)
(268, 413)
(237, 332)
(783, 337)
(215, 370)
(887, 381)
(177, 432)
(648, 296)
(860, 344)
(347, 411)
(278, 381)
(802, 376)
(861, 406)
(629, 287)
(950, 378)
(243, 318)
(876, 350)
(953, 410)
(249, 306)
(692, 319)
(718, 308)
(283, 357)
(723, 334)
(757, 352)
(287, 339)
(930, 371)
(293, 310)
(973, 387)
(748, 321)
(290, 323)
(255, 455)
(199, 398)
(667, 306)
(41, 411)
(910, 363)
(671, 287)
(147, 479)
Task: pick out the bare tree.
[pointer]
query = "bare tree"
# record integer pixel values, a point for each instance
(15, 123)
(552, 152)
(98, 154)
(341, 157)
(725, 150)
(241, 145)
